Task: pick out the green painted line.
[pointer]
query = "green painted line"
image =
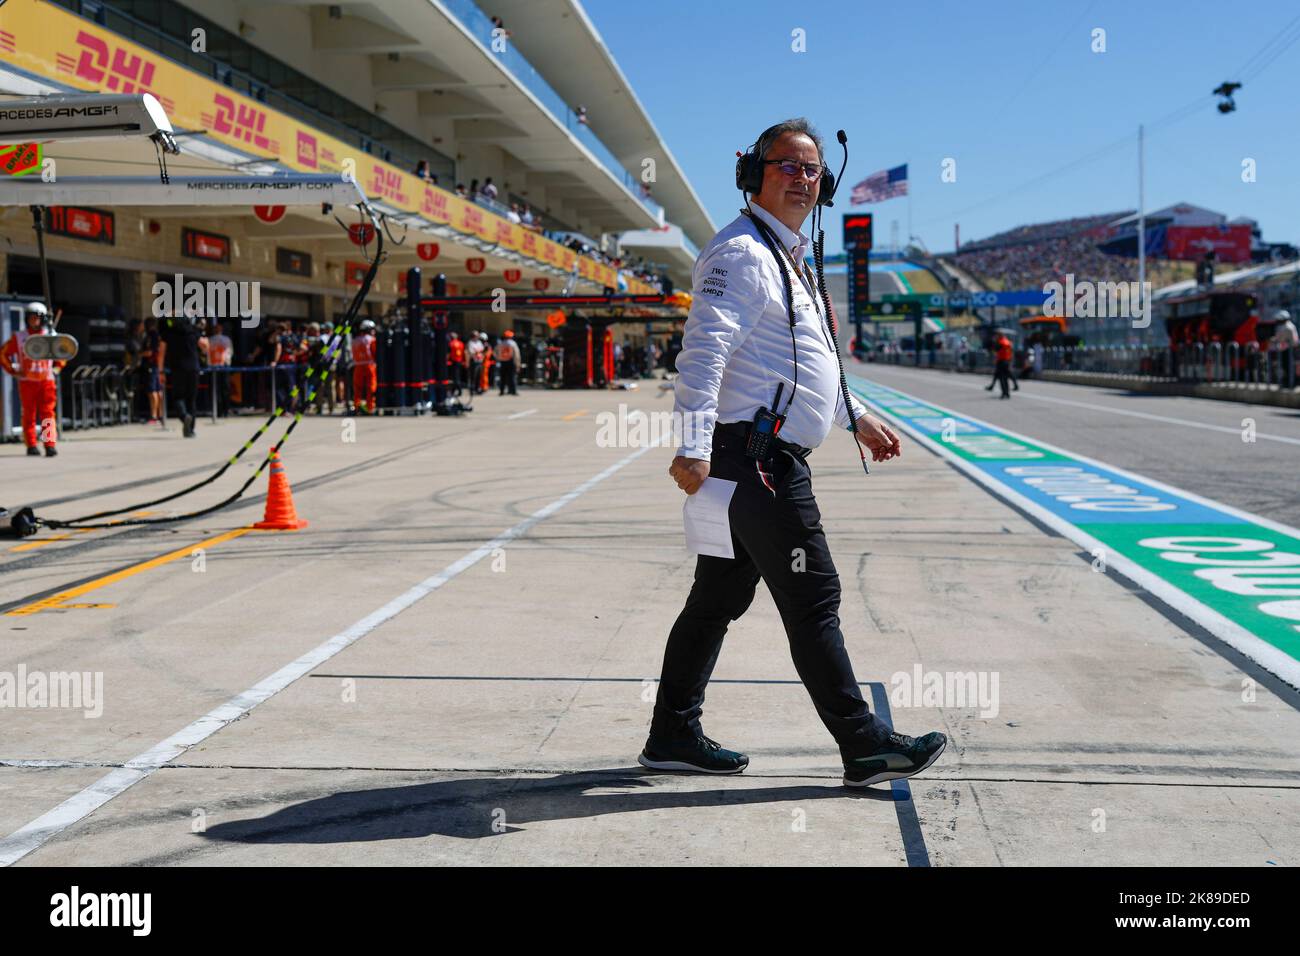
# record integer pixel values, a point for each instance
(1234, 573)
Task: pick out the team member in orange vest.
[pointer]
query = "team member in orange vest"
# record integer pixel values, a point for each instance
(1002, 354)
(456, 360)
(489, 360)
(365, 377)
(508, 358)
(37, 388)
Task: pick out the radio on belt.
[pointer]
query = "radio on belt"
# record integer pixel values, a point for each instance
(763, 431)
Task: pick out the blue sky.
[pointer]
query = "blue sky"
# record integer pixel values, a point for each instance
(1010, 89)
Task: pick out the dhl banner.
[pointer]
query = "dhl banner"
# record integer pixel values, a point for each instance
(48, 41)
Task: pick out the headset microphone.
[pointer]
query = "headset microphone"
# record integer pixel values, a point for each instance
(749, 179)
(819, 253)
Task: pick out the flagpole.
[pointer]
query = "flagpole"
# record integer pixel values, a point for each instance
(1142, 234)
(908, 167)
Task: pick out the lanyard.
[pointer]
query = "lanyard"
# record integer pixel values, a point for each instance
(801, 270)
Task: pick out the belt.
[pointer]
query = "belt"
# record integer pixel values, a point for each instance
(740, 431)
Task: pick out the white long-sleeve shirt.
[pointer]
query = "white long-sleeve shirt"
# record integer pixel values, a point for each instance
(736, 346)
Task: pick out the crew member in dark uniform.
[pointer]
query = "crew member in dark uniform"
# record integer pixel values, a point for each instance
(179, 354)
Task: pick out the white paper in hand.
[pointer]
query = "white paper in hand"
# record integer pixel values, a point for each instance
(708, 528)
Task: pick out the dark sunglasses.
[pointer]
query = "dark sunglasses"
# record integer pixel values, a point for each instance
(792, 168)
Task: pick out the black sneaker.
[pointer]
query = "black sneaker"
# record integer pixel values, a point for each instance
(50, 451)
(897, 758)
(700, 754)
(32, 450)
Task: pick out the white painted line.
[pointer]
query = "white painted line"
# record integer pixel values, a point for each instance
(1149, 416)
(1231, 633)
(530, 411)
(80, 805)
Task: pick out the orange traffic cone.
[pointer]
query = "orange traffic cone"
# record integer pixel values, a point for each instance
(280, 514)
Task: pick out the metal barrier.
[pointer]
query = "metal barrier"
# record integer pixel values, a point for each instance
(1198, 363)
(99, 395)
(262, 387)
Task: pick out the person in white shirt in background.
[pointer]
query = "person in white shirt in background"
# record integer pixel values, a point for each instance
(221, 352)
(738, 357)
(474, 352)
(1286, 341)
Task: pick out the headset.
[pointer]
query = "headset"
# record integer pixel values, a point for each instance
(749, 168)
(749, 180)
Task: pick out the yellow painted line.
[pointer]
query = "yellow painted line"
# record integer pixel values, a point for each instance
(578, 414)
(56, 601)
(32, 545)
(28, 546)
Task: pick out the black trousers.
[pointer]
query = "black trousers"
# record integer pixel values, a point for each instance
(1002, 375)
(507, 373)
(185, 391)
(1286, 368)
(777, 536)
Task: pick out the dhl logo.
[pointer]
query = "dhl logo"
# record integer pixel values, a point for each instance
(471, 219)
(387, 183)
(434, 205)
(306, 150)
(240, 121)
(113, 69)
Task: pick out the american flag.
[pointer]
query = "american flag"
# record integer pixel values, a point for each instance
(880, 186)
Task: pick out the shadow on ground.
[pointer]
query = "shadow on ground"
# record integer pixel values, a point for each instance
(489, 806)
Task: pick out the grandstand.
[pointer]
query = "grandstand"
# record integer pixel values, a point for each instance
(1027, 257)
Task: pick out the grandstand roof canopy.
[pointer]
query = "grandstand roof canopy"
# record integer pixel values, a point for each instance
(1252, 274)
(558, 38)
(1179, 214)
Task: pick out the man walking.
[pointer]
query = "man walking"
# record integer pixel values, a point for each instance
(756, 331)
(179, 355)
(1003, 353)
(507, 355)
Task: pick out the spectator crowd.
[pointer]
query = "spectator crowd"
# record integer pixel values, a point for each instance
(1028, 257)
